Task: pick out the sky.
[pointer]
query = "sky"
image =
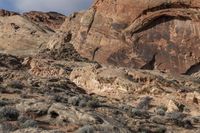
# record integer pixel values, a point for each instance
(62, 6)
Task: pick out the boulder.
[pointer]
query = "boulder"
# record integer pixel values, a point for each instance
(62, 113)
(172, 107)
(37, 108)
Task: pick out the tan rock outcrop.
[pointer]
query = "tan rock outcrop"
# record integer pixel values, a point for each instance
(20, 36)
(45, 68)
(127, 84)
(71, 114)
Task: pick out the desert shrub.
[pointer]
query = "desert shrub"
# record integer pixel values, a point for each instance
(9, 113)
(15, 84)
(30, 123)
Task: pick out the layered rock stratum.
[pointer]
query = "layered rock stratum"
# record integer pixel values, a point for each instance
(118, 67)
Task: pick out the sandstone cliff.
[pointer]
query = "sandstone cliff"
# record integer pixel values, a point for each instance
(148, 34)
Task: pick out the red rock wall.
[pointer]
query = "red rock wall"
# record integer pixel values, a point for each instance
(148, 34)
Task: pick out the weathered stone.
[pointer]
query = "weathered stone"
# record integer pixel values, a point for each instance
(52, 20)
(140, 34)
(33, 107)
(191, 97)
(58, 39)
(44, 68)
(63, 113)
(88, 18)
(20, 36)
(172, 106)
(103, 81)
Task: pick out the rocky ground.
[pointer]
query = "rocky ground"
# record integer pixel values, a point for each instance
(119, 67)
(59, 91)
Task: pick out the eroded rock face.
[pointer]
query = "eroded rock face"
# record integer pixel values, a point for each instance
(26, 34)
(52, 20)
(20, 36)
(155, 34)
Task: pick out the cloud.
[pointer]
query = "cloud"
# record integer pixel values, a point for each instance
(62, 6)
